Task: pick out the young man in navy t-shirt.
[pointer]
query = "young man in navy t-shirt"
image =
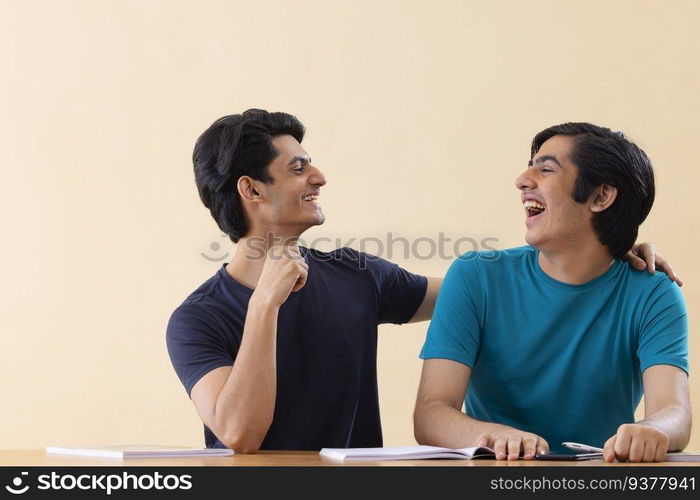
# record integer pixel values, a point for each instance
(278, 349)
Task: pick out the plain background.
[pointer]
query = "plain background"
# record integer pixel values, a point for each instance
(420, 114)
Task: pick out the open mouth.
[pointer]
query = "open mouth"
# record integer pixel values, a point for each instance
(533, 208)
(310, 198)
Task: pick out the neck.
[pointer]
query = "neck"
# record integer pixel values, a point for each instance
(576, 264)
(251, 251)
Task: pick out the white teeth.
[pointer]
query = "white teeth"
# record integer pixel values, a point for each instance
(533, 204)
(310, 197)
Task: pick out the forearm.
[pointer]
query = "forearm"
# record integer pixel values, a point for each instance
(438, 424)
(246, 403)
(675, 422)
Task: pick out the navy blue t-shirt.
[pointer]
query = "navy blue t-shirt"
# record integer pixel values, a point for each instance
(326, 345)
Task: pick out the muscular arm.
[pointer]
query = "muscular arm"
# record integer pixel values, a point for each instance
(666, 423)
(425, 310)
(439, 421)
(237, 403)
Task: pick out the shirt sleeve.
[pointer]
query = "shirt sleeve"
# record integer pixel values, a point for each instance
(455, 330)
(194, 346)
(399, 292)
(663, 338)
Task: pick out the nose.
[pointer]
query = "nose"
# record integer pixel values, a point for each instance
(317, 178)
(525, 181)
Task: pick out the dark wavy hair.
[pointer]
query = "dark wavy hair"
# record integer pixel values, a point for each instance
(234, 146)
(603, 156)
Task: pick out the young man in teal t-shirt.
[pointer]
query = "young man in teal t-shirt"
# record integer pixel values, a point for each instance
(557, 341)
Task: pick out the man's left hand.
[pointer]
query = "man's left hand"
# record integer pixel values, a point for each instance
(636, 443)
(643, 256)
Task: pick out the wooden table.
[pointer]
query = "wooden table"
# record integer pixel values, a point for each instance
(39, 458)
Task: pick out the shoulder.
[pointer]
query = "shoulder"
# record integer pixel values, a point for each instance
(343, 254)
(187, 318)
(653, 289)
(200, 309)
(346, 259)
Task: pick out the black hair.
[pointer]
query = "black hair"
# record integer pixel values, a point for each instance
(234, 146)
(603, 156)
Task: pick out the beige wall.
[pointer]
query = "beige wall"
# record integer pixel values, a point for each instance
(419, 112)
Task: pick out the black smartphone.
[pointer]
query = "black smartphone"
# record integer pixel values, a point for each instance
(569, 456)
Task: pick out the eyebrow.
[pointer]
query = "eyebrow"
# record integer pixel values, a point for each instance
(543, 159)
(303, 159)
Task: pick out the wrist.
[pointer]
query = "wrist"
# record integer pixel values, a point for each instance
(262, 302)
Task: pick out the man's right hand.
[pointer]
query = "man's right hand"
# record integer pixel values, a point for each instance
(510, 443)
(284, 272)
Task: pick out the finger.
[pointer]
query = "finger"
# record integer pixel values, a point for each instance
(661, 453)
(636, 450)
(663, 265)
(609, 449)
(649, 255)
(635, 261)
(649, 451)
(483, 440)
(301, 280)
(622, 445)
(499, 448)
(529, 447)
(514, 446)
(293, 253)
(542, 446)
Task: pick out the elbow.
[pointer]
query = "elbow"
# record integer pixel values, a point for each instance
(242, 442)
(419, 427)
(239, 445)
(243, 438)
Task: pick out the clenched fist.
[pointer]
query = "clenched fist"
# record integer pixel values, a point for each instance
(636, 443)
(284, 272)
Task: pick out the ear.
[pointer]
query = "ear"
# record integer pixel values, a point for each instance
(248, 189)
(603, 196)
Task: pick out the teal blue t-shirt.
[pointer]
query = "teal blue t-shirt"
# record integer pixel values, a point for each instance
(562, 361)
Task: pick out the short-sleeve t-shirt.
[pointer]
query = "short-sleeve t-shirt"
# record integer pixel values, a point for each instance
(326, 345)
(558, 360)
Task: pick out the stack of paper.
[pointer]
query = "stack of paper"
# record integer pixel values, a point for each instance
(139, 451)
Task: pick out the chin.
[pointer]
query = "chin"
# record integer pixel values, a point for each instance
(318, 219)
(532, 240)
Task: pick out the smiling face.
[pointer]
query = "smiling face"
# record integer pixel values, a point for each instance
(552, 217)
(289, 205)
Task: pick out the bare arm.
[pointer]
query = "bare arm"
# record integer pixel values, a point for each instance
(666, 423)
(439, 421)
(425, 310)
(237, 403)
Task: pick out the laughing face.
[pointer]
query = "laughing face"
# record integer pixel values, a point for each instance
(289, 205)
(552, 217)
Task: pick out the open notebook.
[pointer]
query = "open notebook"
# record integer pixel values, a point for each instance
(419, 452)
(139, 451)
